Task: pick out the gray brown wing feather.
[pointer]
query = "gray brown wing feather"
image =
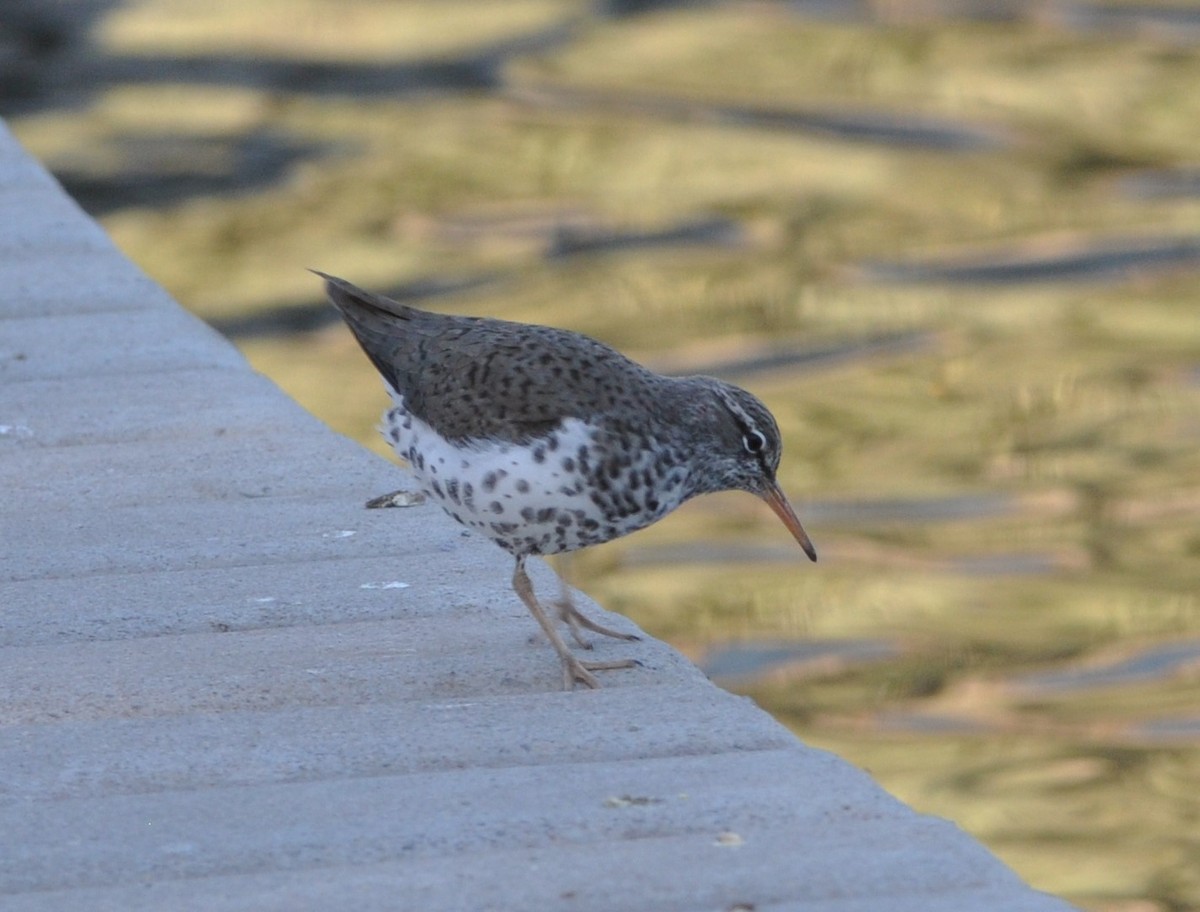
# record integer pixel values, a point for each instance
(476, 378)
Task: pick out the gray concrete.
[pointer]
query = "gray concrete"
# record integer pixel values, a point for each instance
(224, 685)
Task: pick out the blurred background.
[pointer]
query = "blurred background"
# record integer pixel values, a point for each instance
(953, 244)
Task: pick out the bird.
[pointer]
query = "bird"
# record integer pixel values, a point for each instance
(547, 441)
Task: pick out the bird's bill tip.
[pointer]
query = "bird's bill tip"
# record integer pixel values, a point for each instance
(779, 503)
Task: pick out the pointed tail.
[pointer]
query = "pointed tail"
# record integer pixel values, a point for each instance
(378, 323)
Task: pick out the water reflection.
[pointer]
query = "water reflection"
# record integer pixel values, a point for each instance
(288, 320)
(718, 232)
(1099, 260)
(1177, 24)
(1177, 183)
(1186, 729)
(739, 663)
(998, 565)
(801, 356)
(164, 169)
(909, 510)
(1158, 663)
(928, 723)
(878, 127)
(1173, 23)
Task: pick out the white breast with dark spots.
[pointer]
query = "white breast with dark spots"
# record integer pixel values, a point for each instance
(561, 493)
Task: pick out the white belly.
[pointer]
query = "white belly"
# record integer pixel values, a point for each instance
(524, 503)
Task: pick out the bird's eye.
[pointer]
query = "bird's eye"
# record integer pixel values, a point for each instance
(754, 442)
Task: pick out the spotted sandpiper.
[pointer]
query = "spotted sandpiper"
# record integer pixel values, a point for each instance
(548, 441)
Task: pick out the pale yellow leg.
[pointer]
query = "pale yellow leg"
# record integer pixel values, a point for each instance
(573, 669)
(576, 619)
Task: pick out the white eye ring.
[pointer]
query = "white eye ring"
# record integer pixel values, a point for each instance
(754, 442)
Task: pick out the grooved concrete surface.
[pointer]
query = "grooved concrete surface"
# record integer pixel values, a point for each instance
(215, 695)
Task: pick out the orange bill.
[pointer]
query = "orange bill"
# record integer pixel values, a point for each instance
(783, 509)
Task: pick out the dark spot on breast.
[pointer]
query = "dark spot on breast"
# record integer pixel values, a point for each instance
(496, 507)
(489, 481)
(568, 464)
(539, 454)
(527, 514)
(523, 486)
(545, 515)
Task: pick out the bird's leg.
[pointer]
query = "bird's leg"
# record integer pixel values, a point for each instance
(576, 619)
(573, 669)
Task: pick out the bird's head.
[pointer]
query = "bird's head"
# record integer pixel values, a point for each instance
(744, 447)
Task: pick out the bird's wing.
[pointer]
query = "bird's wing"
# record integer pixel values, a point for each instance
(474, 378)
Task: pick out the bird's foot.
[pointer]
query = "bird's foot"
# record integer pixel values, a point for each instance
(579, 672)
(574, 670)
(577, 621)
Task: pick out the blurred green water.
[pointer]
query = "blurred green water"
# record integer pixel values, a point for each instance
(1005, 502)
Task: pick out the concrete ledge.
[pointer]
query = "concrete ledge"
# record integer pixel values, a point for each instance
(224, 685)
